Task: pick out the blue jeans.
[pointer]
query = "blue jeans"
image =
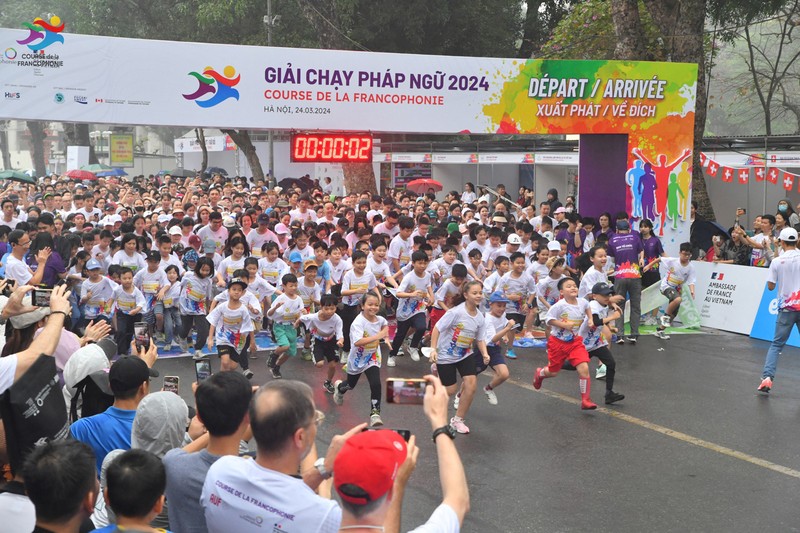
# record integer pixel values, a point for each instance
(172, 323)
(783, 328)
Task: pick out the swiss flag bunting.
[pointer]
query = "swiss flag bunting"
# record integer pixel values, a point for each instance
(703, 159)
(744, 175)
(772, 175)
(713, 168)
(761, 174)
(727, 174)
(788, 181)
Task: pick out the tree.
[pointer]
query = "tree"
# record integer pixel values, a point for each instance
(245, 144)
(771, 59)
(541, 19)
(78, 135)
(4, 151)
(200, 134)
(38, 135)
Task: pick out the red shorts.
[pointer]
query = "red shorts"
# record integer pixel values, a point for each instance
(558, 351)
(436, 314)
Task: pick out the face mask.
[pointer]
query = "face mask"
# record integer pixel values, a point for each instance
(783, 208)
(568, 209)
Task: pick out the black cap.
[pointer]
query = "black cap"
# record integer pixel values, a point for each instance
(263, 218)
(237, 281)
(129, 372)
(153, 255)
(603, 289)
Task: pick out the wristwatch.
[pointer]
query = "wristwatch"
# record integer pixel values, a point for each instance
(447, 430)
(319, 464)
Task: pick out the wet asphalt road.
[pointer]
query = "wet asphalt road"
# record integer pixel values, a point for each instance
(693, 447)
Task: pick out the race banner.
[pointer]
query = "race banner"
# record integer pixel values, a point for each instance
(47, 74)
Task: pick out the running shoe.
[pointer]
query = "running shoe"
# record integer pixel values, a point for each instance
(405, 350)
(666, 321)
(458, 424)
(491, 396)
(661, 334)
(456, 400)
(766, 385)
(414, 352)
(510, 354)
(601, 372)
(306, 355)
(537, 379)
(391, 362)
(588, 405)
(630, 339)
(196, 354)
(434, 370)
(375, 418)
(618, 340)
(276, 372)
(272, 360)
(338, 397)
(612, 397)
(328, 386)
(248, 373)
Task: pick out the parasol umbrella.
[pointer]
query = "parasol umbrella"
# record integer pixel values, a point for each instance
(77, 174)
(216, 170)
(421, 186)
(94, 169)
(287, 183)
(16, 175)
(182, 173)
(111, 172)
(702, 231)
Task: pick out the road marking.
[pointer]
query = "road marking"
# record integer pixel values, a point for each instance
(763, 463)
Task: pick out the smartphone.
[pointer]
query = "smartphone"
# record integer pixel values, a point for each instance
(742, 209)
(41, 297)
(141, 333)
(202, 369)
(405, 391)
(10, 284)
(405, 433)
(172, 384)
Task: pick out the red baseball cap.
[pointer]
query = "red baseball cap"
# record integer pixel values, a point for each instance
(368, 461)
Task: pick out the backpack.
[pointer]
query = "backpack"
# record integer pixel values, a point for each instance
(93, 394)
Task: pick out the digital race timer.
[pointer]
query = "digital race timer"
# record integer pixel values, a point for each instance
(331, 148)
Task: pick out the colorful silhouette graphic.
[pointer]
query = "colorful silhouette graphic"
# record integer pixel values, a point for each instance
(43, 34)
(647, 192)
(674, 195)
(221, 91)
(662, 171)
(632, 178)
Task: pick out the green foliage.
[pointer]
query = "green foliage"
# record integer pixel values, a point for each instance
(587, 32)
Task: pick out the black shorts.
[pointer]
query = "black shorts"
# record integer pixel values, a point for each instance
(495, 358)
(671, 293)
(518, 318)
(325, 350)
(229, 351)
(447, 371)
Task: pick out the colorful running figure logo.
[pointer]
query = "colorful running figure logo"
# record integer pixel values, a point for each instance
(43, 34)
(220, 92)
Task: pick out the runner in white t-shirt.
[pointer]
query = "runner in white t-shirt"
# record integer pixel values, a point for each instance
(675, 273)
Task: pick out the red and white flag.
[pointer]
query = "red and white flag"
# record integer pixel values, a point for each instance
(703, 159)
(744, 175)
(727, 174)
(772, 175)
(713, 168)
(761, 174)
(788, 181)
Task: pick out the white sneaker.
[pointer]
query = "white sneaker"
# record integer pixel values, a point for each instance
(491, 396)
(661, 334)
(459, 425)
(666, 321)
(167, 347)
(414, 354)
(391, 361)
(601, 372)
(338, 397)
(456, 400)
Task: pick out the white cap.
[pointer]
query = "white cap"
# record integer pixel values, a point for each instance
(554, 246)
(115, 218)
(175, 230)
(514, 239)
(788, 235)
(107, 221)
(548, 235)
(229, 222)
(164, 218)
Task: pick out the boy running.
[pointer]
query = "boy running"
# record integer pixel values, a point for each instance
(415, 294)
(284, 311)
(677, 272)
(326, 328)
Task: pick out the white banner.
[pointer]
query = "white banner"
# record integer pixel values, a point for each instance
(728, 295)
(214, 143)
(48, 74)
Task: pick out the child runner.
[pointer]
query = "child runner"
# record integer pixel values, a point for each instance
(452, 339)
(520, 289)
(310, 292)
(596, 335)
(565, 318)
(153, 283)
(230, 325)
(196, 291)
(355, 284)
(285, 309)
(497, 330)
(443, 267)
(678, 271)
(447, 294)
(367, 332)
(271, 265)
(492, 282)
(97, 295)
(326, 327)
(538, 269)
(476, 270)
(415, 294)
(130, 302)
(172, 316)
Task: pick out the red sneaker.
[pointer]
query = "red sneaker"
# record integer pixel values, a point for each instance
(766, 385)
(537, 379)
(588, 405)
